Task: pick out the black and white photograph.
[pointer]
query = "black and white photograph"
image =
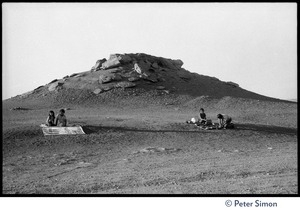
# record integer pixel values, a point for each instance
(145, 99)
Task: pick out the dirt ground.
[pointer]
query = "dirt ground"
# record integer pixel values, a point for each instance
(136, 151)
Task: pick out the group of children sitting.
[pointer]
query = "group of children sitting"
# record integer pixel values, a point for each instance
(60, 120)
(224, 121)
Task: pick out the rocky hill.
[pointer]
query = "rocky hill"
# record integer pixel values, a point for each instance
(123, 78)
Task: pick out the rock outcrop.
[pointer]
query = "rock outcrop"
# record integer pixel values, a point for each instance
(109, 77)
(98, 64)
(232, 84)
(55, 86)
(119, 71)
(125, 84)
(137, 74)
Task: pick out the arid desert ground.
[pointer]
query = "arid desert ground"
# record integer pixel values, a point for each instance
(133, 109)
(149, 151)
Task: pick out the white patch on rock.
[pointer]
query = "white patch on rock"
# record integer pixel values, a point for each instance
(112, 62)
(98, 91)
(55, 86)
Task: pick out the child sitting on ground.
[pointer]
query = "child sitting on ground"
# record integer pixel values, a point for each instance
(202, 116)
(225, 121)
(199, 121)
(61, 119)
(50, 119)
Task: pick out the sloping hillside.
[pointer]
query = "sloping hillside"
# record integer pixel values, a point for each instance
(132, 79)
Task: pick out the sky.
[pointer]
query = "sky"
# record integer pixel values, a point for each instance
(252, 44)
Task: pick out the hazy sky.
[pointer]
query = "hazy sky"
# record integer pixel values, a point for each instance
(254, 44)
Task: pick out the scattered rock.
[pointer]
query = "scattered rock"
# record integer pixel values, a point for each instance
(142, 67)
(155, 65)
(137, 68)
(98, 64)
(38, 88)
(124, 58)
(177, 63)
(53, 81)
(113, 70)
(112, 62)
(106, 78)
(133, 79)
(107, 88)
(98, 91)
(125, 84)
(232, 84)
(168, 63)
(52, 87)
(116, 60)
(150, 78)
(55, 86)
(74, 74)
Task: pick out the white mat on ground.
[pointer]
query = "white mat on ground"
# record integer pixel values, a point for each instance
(75, 130)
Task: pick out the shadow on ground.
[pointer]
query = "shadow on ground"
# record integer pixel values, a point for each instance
(89, 129)
(268, 129)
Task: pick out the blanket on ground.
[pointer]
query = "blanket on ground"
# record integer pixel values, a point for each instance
(211, 126)
(74, 130)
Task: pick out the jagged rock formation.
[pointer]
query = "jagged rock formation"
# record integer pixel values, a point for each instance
(146, 78)
(120, 71)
